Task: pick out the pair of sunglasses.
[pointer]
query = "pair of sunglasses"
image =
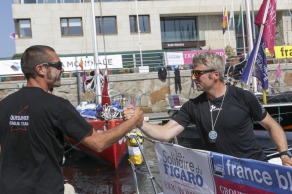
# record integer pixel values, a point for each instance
(198, 73)
(58, 65)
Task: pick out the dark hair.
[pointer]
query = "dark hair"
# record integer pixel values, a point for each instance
(33, 56)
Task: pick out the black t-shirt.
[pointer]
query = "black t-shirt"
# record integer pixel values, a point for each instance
(234, 124)
(31, 136)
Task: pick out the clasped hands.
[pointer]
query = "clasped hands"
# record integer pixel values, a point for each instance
(133, 111)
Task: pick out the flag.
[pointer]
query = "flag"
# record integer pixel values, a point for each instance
(269, 24)
(83, 81)
(245, 77)
(278, 74)
(239, 18)
(81, 64)
(260, 68)
(12, 35)
(231, 16)
(105, 95)
(224, 20)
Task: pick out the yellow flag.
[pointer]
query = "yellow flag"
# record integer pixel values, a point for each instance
(81, 64)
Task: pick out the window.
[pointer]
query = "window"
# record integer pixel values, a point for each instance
(51, 1)
(23, 28)
(144, 24)
(178, 29)
(71, 27)
(29, 1)
(106, 25)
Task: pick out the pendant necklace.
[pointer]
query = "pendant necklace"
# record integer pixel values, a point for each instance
(213, 134)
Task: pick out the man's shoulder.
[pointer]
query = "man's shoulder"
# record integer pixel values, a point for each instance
(198, 99)
(238, 91)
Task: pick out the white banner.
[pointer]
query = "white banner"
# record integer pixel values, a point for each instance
(184, 170)
(174, 58)
(12, 67)
(72, 63)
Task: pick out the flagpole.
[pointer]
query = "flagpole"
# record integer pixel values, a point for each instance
(250, 43)
(243, 33)
(229, 35)
(228, 27)
(233, 24)
(223, 11)
(253, 24)
(97, 73)
(259, 41)
(139, 37)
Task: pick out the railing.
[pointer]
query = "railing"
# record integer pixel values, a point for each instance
(63, 1)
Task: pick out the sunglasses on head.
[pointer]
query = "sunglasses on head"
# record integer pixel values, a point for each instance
(58, 65)
(198, 73)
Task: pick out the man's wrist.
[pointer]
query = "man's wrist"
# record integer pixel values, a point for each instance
(287, 153)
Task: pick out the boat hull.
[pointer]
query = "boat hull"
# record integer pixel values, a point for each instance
(114, 154)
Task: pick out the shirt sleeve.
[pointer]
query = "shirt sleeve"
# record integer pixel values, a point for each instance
(183, 116)
(72, 123)
(257, 111)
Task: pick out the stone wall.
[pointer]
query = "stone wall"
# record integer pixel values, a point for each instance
(145, 86)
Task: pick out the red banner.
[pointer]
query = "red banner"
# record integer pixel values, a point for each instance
(269, 24)
(188, 55)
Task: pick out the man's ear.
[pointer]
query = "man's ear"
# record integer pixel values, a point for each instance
(40, 70)
(217, 75)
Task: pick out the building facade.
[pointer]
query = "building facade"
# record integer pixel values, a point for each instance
(165, 25)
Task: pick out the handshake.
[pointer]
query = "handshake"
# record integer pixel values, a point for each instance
(134, 112)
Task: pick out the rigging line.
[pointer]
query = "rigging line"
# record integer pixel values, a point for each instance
(281, 113)
(103, 37)
(274, 148)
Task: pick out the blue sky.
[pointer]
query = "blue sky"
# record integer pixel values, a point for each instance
(7, 46)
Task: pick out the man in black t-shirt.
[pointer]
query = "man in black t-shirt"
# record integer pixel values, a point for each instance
(33, 123)
(223, 115)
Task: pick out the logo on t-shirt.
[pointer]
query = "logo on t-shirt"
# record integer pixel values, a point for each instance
(19, 121)
(213, 108)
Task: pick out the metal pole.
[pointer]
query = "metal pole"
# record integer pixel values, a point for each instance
(146, 163)
(250, 41)
(78, 82)
(287, 32)
(97, 74)
(103, 37)
(135, 177)
(138, 25)
(233, 22)
(259, 42)
(243, 30)
(253, 24)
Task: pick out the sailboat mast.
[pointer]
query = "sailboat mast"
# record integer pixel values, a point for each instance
(97, 72)
(138, 25)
